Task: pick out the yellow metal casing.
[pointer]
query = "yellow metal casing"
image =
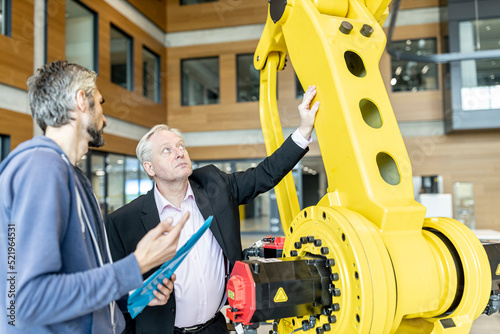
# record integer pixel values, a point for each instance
(337, 45)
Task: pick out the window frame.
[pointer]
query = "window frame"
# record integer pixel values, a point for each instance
(158, 81)
(238, 55)
(7, 15)
(130, 58)
(95, 34)
(182, 60)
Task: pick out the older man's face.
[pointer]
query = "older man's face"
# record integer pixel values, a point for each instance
(170, 160)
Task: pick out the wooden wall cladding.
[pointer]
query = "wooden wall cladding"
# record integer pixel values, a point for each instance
(18, 126)
(16, 64)
(221, 13)
(155, 10)
(227, 13)
(467, 157)
(121, 103)
(420, 105)
(119, 145)
(228, 114)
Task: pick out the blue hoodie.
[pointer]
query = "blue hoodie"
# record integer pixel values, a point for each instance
(51, 248)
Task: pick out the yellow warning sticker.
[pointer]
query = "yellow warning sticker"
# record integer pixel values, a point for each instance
(230, 294)
(498, 270)
(280, 296)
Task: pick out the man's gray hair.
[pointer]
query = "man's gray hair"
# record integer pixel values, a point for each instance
(52, 92)
(143, 150)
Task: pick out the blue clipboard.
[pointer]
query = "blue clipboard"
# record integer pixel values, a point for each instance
(141, 297)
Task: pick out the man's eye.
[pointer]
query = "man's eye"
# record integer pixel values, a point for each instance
(166, 150)
(181, 147)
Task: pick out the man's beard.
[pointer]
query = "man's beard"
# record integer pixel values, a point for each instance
(96, 135)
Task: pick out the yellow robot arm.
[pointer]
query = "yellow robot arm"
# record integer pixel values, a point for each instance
(393, 271)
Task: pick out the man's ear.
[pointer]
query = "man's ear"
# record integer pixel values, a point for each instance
(148, 167)
(81, 100)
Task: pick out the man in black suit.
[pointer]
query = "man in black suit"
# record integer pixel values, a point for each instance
(199, 289)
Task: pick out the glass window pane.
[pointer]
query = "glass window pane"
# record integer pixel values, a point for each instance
(248, 79)
(480, 78)
(80, 35)
(151, 75)
(145, 184)
(121, 58)
(98, 179)
(299, 91)
(2, 17)
(411, 76)
(200, 81)
(82, 164)
(5, 17)
(4, 146)
(136, 180)
(193, 2)
(116, 181)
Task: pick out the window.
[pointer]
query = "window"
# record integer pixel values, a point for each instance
(117, 179)
(299, 90)
(121, 58)
(480, 78)
(5, 17)
(261, 215)
(411, 76)
(81, 31)
(248, 79)
(194, 2)
(4, 146)
(151, 75)
(200, 81)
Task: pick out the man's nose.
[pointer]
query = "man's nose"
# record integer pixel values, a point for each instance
(178, 152)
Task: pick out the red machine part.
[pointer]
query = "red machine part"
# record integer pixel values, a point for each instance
(274, 242)
(241, 294)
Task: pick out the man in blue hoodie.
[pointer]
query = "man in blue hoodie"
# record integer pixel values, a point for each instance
(54, 256)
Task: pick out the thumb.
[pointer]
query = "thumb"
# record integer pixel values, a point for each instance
(176, 230)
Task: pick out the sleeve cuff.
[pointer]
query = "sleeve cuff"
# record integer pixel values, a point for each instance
(301, 141)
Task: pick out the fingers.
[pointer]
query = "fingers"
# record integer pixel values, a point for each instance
(162, 294)
(309, 95)
(163, 226)
(176, 230)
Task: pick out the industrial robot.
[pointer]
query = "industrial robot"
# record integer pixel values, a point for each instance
(364, 259)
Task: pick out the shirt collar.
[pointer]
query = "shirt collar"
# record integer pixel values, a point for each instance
(162, 202)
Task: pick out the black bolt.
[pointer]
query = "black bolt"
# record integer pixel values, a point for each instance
(332, 319)
(319, 330)
(298, 245)
(317, 242)
(326, 311)
(345, 27)
(336, 292)
(303, 240)
(325, 250)
(294, 253)
(334, 277)
(336, 307)
(310, 238)
(327, 327)
(366, 30)
(330, 262)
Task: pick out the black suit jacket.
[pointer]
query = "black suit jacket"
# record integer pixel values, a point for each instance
(218, 194)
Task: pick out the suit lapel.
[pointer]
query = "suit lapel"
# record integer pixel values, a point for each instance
(206, 209)
(150, 217)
